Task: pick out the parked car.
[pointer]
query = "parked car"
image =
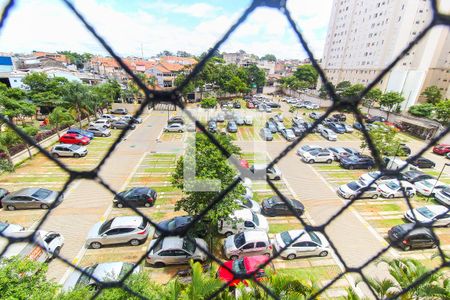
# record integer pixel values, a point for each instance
(373, 119)
(68, 150)
(423, 163)
(441, 149)
(315, 115)
(175, 250)
(348, 128)
(348, 152)
(242, 220)
(357, 162)
(428, 186)
(271, 126)
(328, 134)
(340, 117)
(120, 111)
(278, 118)
(82, 132)
(120, 124)
(243, 266)
(32, 197)
(250, 204)
(336, 151)
(307, 148)
(237, 104)
(273, 104)
(7, 229)
(307, 243)
(443, 196)
(298, 130)
(357, 126)
(261, 171)
(105, 123)
(136, 196)
(3, 194)
(336, 127)
(179, 224)
(248, 120)
(268, 109)
(239, 120)
(250, 105)
(72, 138)
(355, 189)
(108, 117)
(174, 127)
(212, 126)
(414, 176)
(280, 126)
(232, 127)
(119, 230)
(220, 117)
(274, 206)
(110, 271)
(434, 215)
(407, 237)
(99, 131)
(247, 243)
(396, 189)
(132, 119)
(288, 134)
(176, 120)
(368, 178)
(318, 156)
(266, 134)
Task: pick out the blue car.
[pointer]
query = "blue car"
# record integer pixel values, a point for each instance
(357, 126)
(82, 132)
(357, 162)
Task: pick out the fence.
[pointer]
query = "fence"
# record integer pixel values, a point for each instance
(174, 96)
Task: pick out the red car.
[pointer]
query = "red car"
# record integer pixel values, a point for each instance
(73, 138)
(244, 265)
(250, 105)
(441, 149)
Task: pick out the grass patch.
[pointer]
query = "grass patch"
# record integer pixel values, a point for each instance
(165, 155)
(329, 167)
(160, 170)
(315, 273)
(342, 175)
(166, 189)
(386, 223)
(380, 207)
(280, 227)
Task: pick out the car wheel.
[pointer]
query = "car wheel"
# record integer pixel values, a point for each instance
(311, 161)
(135, 242)
(76, 155)
(180, 131)
(44, 206)
(228, 233)
(234, 257)
(11, 207)
(434, 246)
(119, 205)
(277, 178)
(95, 245)
(291, 256)
(407, 248)
(369, 167)
(390, 196)
(375, 196)
(147, 204)
(351, 167)
(329, 161)
(56, 252)
(55, 155)
(103, 135)
(412, 195)
(352, 197)
(160, 265)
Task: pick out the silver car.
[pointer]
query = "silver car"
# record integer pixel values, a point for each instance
(111, 271)
(329, 134)
(314, 156)
(129, 118)
(261, 172)
(68, 150)
(307, 243)
(352, 189)
(443, 196)
(99, 131)
(31, 198)
(175, 250)
(121, 124)
(119, 230)
(174, 127)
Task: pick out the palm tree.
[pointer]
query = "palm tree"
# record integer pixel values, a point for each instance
(76, 97)
(60, 116)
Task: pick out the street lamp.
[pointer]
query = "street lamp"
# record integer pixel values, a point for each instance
(445, 165)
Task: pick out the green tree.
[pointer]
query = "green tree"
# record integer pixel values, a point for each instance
(189, 88)
(342, 86)
(353, 90)
(432, 94)
(308, 74)
(390, 100)
(25, 279)
(134, 89)
(323, 92)
(60, 117)
(209, 164)
(386, 140)
(372, 97)
(235, 85)
(16, 109)
(269, 57)
(424, 110)
(45, 91)
(210, 102)
(8, 138)
(443, 111)
(77, 98)
(255, 76)
(76, 58)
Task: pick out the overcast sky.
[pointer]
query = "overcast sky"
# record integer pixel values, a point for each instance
(157, 25)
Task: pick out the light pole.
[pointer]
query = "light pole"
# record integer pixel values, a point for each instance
(445, 165)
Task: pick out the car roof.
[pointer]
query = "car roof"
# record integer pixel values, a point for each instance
(438, 209)
(172, 242)
(71, 134)
(255, 235)
(126, 221)
(244, 214)
(110, 270)
(25, 191)
(409, 226)
(296, 232)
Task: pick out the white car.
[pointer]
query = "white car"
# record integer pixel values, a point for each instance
(443, 196)
(250, 204)
(280, 126)
(425, 187)
(105, 123)
(247, 243)
(243, 220)
(437, 215)
(7, 229)
(329, 134)
(367, 178)
(348, 128)
(318, 156)
(307, 243)
(109, 117)
(394, 188)
(353, 189)
(248, 120)
(307, 148)
(261, 172)
(174, 127)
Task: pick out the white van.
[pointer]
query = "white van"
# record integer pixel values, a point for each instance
(242, 220)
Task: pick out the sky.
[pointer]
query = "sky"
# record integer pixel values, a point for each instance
(135, 26)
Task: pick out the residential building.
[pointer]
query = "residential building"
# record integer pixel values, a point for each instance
(240, 58)
(168, 68)
(365, 36)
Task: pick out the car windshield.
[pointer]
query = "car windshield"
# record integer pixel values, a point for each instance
(392, 185)
(374, 174)
(189, 246)
(314, 238)
(354, 186)
(424, 211)
(41, 194)
(239, 240)
(128, 193)
(238, 266)
(74, 147)
(314, 152)
(306, 147)
(172, 225)
(427, 183)
(255, 219)
(105, 226)
(85, 276)
(286, 237)
(3, 226)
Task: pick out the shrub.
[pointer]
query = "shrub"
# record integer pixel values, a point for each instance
(208, 102)
(424, 110)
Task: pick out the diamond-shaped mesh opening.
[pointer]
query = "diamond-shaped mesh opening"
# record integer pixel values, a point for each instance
(153, 97)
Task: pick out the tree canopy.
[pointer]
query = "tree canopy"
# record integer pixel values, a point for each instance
(307, 73)
(269, 57)
(432, 94)
(386, 140)
(390, 100)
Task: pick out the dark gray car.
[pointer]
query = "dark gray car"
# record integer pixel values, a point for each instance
(120, 124)
(31, 198)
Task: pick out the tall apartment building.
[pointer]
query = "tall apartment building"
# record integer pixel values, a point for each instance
(364, 36)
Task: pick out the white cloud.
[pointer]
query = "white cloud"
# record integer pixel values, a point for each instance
(50, 26)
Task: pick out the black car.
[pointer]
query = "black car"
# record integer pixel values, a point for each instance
(176, 119)
(237, 105)
(357, 162)
(414, 176)
(298, 130)
(3, 193)
(340, 117)
(423, 163)
(212, 126)
(357, 126)
(137, 196)
(376, 119)
(274, 206)
(336, 127)
(273, 105)
(179, 224)
(407, 238)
